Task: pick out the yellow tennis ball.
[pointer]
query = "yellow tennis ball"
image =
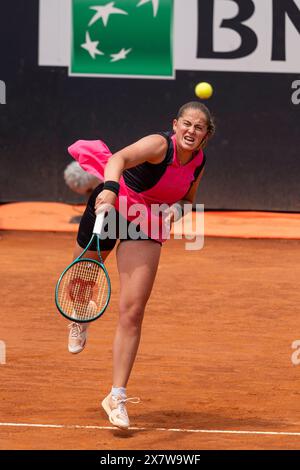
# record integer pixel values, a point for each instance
(204, 90)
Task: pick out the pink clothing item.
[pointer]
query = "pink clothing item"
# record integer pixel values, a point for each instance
(176, 181)
(171, 187)
(92, 156)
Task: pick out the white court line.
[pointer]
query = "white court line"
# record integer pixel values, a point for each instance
(104, 428)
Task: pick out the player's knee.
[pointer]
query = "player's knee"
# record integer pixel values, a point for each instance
(131, 314)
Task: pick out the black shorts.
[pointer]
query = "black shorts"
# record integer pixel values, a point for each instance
(87, 222)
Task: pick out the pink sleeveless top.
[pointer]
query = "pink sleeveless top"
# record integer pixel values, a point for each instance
(172, 185)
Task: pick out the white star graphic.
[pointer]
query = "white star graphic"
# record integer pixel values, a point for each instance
(155, 4)
(91, 46)
(120, 55)
(104, 12)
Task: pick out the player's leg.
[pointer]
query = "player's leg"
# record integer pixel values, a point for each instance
(78, 331)
(137, 265)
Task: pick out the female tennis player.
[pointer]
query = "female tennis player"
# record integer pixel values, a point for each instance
(159, 168)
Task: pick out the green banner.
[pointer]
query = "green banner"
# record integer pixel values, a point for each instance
(128, 38)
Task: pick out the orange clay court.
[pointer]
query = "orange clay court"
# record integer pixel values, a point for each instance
(214, 369)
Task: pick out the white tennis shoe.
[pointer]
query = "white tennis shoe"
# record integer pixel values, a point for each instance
(115, 407)
(78, 332)
(77, 337)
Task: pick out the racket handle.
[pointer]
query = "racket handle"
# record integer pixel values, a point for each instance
(99, 223)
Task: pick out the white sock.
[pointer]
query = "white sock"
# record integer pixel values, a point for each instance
(118, 392)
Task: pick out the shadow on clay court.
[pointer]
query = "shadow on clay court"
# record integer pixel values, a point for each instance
(171, 419)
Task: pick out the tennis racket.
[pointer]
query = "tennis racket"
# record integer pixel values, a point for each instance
(83, 290)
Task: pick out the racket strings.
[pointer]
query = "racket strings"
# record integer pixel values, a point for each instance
(102, 291)
(83, 291)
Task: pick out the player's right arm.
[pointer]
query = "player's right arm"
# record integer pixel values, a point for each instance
(150, 149)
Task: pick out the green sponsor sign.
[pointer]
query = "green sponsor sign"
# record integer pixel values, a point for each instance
(128, 38)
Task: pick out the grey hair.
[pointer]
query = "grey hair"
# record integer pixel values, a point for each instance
(79, 180)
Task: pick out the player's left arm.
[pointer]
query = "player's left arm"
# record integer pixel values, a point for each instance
(191, 194)
(176, 211)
